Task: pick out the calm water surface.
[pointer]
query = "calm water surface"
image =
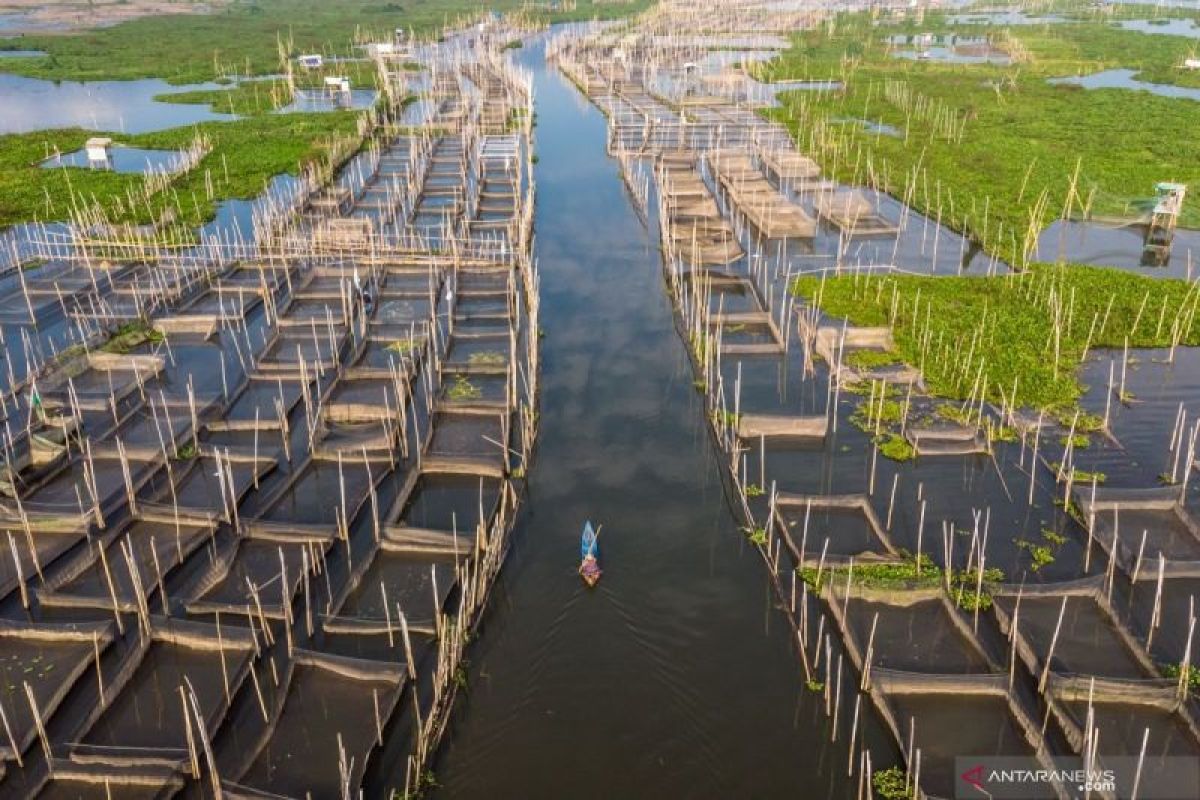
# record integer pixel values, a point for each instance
(32, 104)
(675, 677)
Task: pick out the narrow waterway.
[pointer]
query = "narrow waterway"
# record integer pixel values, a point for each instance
(675, 677)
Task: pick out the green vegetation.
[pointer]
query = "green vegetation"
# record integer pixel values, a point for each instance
(871, 359)
(131, 335)
(1053, 537)
(244, 99)
(243, 38)
(881, 412)
(461, 389)
(246, 154)
(246, 36)
(1078, 441)
(756, 536)
(992, 150)
(251, 97)
(1193, 675)
(1083, 476)
(1000, 433)
(186, 452)
(963, 590)
(896, 447)
(725, 418)
(403, 346)
(954, 413)
(425, 783)
(489, 358)
(460, 676)
(905, 574)
(891, 784)
(1016, 339)
(888, 575)
(1040, 555)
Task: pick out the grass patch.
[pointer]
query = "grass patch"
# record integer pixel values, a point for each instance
(871, 359)
(756, 536)
(245, 99)
(245, 37)
(890, 575)
(896, 447)
(904, 575)
(461, 389)
(131, 335)
(1081, 476)
(992, 148)
(186, 452)
(1040, 555)
(1193, 676)
(891, 784)
(246, 154)
(1017, 338)
(488, 358)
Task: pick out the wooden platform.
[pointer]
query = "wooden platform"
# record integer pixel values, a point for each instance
(764, 206)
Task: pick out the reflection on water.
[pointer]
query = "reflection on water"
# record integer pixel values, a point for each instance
(919, 245)
(674, 677)
(953, 48)
(1157, 384)
(31, 104)
(122, 159)
(1123, 79)
(1093, 243)
(871, 126)
(309, 100)
(235, 218)
(954, 55)
(1163, 27)
(1003, 18)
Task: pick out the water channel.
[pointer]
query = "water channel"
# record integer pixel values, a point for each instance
(676, 674)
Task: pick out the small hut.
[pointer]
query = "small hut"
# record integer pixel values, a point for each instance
(99, 152)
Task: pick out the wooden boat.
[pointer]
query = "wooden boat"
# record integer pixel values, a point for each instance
(589, 553)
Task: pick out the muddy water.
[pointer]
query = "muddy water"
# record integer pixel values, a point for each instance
(675, 677)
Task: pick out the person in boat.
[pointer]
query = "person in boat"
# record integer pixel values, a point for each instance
(589, 565)
(589, 570)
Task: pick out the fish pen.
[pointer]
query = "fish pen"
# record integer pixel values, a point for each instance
(940, 716)
(321, 733)
(1072, 629)
(41, 664)
(263, 482)
(1147, 717)
(145, 715)
(855, 483)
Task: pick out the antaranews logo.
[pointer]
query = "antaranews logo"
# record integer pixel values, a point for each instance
(1032, 778)
(974, 777)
